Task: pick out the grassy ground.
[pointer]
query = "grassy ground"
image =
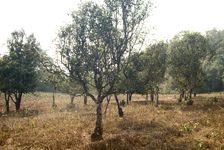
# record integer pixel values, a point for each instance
(171, 126)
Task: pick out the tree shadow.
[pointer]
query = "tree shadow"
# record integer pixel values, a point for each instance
(22, 113)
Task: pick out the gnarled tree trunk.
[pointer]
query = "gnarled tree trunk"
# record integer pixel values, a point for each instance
(98, 131)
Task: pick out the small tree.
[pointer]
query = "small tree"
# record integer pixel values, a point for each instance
(18, 69)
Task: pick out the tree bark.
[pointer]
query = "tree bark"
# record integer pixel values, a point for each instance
(181, 96)
(72, 99)
(85, 99)
(147, 98)
(108, 101)
(190, 93)
(130, 96)
(157, 99)
(127, 98)
(6, 103)
(152, 97)
(98, 131)
(18, 101)
(120, 111)
(157, 95)
(195, 94)
(53, 103)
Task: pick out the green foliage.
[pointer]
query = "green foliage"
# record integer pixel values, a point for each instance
(18, 69)
(213, 66)
(187, 53)
(145, 70)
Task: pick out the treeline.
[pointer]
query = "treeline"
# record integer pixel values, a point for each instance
(99, 57)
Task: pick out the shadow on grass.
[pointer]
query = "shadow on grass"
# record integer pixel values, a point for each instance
(144, 135)
(21, 113)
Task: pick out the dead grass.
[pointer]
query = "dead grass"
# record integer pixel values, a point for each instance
(170, 126)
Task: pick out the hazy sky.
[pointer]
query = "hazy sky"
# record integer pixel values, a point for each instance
(44, 17)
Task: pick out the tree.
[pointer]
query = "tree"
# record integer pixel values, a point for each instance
(188, 51)
(18, 69)
(213, 66)
(155, 63)
(94, 45)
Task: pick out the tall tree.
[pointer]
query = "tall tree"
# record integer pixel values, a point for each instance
(18, 69)
(94, 45)
(188, 51)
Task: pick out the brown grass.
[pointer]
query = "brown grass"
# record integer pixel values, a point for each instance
(171, 126)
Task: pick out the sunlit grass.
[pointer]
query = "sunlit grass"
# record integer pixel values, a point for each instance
(170, 126)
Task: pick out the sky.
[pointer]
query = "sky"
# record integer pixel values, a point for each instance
(45, 17)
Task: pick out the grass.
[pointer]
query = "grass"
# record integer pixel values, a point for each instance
(170, 126)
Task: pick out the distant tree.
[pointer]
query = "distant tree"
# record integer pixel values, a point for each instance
(145, 71)
(94, 45)
(213, 66)
(155, 64)
(130, 82)
(18, 69)
(188, 51)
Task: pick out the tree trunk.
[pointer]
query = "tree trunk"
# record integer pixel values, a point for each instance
(127, 98)
(6, 103)
(147, 98)
(130, 96)
(157, 95)
(185, 95)
(18, 101)
(72, 99)
(85, 99)
(157, 99)
(108, 101)
(98, 131)
(152, 97)
(120, 111)
(53, 103)
(195, 94)
(181, 96)
(190, 93)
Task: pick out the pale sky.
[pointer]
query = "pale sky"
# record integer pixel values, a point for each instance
(44, 18)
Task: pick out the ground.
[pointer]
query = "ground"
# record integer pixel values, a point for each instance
(172, 125)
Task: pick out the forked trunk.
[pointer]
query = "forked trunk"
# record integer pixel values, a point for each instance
(120, 111)
(98, 131)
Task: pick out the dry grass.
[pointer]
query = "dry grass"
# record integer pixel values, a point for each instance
(171, 126)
